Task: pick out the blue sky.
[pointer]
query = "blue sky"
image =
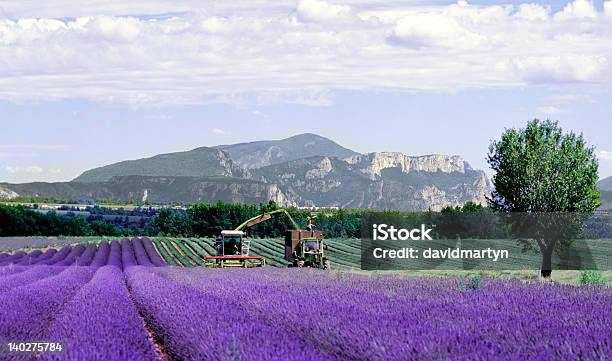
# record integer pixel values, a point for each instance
(79, 89)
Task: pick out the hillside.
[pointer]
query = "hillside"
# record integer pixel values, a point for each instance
(155, 190)
(605, 184)
(268, 152)
(304, 170)
(379, 181)
(199, 162)
(606, 199)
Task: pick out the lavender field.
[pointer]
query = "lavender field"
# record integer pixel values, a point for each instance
(120, 301)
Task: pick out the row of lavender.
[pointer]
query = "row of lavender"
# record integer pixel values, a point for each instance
(123, 254)
(88, 308)
(316, 315)
(279, 314)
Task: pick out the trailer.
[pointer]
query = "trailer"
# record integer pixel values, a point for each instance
(306, 249)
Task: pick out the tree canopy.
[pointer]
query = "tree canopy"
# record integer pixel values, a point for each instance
(540, 169)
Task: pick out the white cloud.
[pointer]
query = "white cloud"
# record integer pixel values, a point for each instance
(608, 8)
(18, 9)
(112, 29)
(560, 69)
(321, 10)
(604, 155)
(218, 131)
(423, 30)
(287, 51)
(533, 12)
(548, 110)
(31, 169)
(577, 9)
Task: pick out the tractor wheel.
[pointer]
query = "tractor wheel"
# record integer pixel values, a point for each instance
(300, 264)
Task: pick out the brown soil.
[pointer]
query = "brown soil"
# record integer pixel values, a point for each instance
(167, 251)
(183, 253)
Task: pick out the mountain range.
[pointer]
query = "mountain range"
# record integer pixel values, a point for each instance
(304, 170)
(199, 162)
(605, 186)
(268, 152)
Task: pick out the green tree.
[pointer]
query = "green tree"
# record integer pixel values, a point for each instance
(75, 226)
(540, 169)
(101, 228)
(210, 219)
(472, 207)
(173, 223)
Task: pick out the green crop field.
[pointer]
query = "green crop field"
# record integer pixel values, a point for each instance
(344, 254)
(190, 252)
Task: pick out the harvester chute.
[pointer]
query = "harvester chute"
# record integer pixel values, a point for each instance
(233, 249)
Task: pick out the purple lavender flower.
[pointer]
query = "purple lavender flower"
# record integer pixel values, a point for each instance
(127, 253)
(142, 258)
(86, 258)
(101, 257)
(196, 326)
(101, 323)
(114, 256)
(26, 310)
(152, 252)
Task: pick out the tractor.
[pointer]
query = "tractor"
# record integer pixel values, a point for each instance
(306, 248)
(233, 251)
(233, 248)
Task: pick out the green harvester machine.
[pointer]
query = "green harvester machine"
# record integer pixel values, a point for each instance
(305, 249)
(302, 248)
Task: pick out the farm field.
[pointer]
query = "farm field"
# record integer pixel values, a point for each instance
(185, 252)
(140, 308)
(343, 252)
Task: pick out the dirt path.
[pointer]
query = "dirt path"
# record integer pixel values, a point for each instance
(194, 246)
(175, 246)
(156, 341)
(168, 252)
(192, 249)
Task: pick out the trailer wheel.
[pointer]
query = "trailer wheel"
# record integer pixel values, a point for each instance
(326, 264)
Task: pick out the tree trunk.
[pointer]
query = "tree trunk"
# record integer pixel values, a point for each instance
(546, 269)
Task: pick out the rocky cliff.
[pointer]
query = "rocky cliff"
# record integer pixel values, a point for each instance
(379, 181)
(305, 170)
(6, 193)
(373, 163)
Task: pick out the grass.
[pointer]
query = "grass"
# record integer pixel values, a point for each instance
(562, 277)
